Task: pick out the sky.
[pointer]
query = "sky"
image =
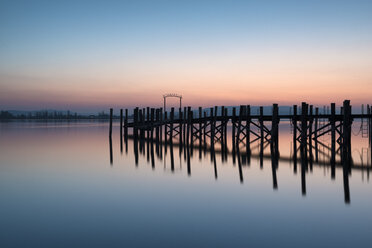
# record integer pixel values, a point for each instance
(92, 55)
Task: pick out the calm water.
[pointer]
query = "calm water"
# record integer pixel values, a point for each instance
(59, 189)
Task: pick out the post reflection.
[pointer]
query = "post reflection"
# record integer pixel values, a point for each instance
(262, 152)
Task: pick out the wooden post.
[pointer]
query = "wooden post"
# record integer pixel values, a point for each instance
(333, 133)
(126, 124)
(200, 126)
(135, 123)
(157, 125)
(166, 128)
(141, 124)
(188, 126)
(346, 133)
(180, 127)
(310, 136)
(248, 130)
(316, 133)
(121, 123)
(161, 128)
(171, 125)
(212, 128)
(261, 129)
(148, 121)
(222, 130)
(225, 132)
(152, 123)
(233, 121)
(185, 124)
(304, 131)
(370, 131)
(369, 123)
(294, 120)
(110, 133)
(192, 131)
(274, 130)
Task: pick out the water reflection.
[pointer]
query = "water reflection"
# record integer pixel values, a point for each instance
(318, 154)
(57, 179)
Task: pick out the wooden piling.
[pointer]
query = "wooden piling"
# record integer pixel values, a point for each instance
(212, 127)
(157, 125)
(333, 133)
(248, 130)
(310, 136)
(294, 121)
(200, 126)
(171, 125)
(184, 124)
(346, 153)
(148, 121)
(152, 123)
(110, 132)
(161, 128)
(274, 130)
(180, 127)
(121, 123)
(126, 124)
(233, 121)
(141, 121)
(304, 131)
(316, 134)
(191, 131)
(166, 128)
(135, 123)
(261, 129)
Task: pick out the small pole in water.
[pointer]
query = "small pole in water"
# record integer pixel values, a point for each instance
(111, 121)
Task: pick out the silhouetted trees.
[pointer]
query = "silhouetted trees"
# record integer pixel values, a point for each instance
(52, 115)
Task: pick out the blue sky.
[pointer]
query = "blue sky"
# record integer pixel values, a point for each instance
(50, 46)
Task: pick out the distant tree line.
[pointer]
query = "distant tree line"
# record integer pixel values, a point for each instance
(52, 115)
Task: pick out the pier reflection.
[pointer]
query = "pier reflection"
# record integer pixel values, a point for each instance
(263, 151)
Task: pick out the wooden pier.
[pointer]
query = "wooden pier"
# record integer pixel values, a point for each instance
(208, 128)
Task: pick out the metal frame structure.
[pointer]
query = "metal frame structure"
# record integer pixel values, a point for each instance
(165, 96)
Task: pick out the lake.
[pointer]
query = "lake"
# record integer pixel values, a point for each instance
(62, 184)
